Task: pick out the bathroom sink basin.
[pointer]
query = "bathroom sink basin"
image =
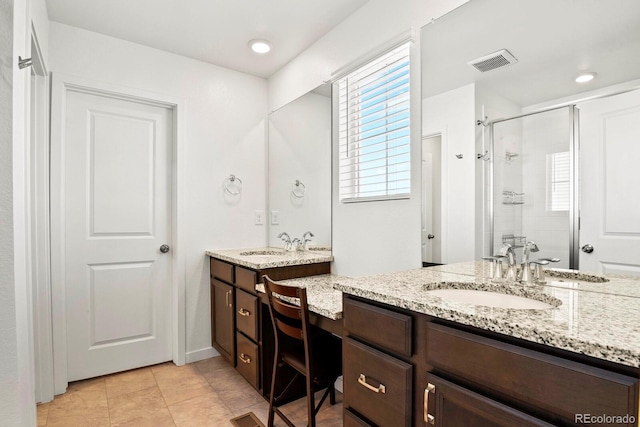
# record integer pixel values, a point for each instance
(261, 253)
(490, 299)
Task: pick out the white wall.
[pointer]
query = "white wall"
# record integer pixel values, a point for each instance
(300, 149)
(17, 400)
(224, 132)
(9, 378)
(452, 114)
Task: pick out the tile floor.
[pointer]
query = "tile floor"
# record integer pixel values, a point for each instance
(205, 393)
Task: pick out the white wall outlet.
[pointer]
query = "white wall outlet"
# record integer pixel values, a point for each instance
(275, 217)
(259, 217)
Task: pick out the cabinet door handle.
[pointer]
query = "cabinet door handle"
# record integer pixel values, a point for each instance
(228, 296)
(243, 312)
(244, 358)
(428, 418)
(362, 380)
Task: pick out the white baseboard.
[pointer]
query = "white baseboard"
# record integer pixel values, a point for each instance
(203, 353)
(338, 384)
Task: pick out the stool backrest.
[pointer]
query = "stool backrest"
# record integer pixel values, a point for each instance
(287, 317)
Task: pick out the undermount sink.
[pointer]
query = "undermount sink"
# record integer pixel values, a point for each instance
(261, 253)
(490, 299)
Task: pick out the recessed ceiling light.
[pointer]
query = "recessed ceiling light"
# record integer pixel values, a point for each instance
(585, 77)
(260, 46)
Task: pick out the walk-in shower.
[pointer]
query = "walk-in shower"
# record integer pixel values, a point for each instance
(532, 185)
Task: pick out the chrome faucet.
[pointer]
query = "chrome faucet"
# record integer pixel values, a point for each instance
(507, 251)
(528, 248)
(306, 240)
(525, 267)
(286, 239)
(538, 274)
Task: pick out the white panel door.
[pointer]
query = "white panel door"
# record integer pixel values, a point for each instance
(117, 214)
(431, 200)
(610, 184)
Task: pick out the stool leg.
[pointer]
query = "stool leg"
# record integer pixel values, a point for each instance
(311, 407)
(273, 392)
(332, 394)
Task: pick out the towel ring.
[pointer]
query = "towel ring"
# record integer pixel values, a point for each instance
(298, 189)
(231, 182)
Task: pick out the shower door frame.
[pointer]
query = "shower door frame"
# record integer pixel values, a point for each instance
(574, 183)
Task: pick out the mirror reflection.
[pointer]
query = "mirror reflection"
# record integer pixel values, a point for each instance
(300, 170)
(494, 75)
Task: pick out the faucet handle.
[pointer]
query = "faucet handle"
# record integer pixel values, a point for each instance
(538, 274)
(549, 259)
(504, 249)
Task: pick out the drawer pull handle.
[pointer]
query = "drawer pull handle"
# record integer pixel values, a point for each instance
(362, 379)
(243, 312)
(428, 418)
(227, 296)
(244, 358)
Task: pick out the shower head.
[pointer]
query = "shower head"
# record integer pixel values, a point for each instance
(509, 155)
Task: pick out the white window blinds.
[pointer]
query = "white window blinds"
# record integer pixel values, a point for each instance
(374, 131)
(558, 181)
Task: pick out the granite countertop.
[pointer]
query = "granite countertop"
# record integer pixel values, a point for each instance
(262, 258)
(322, 298)
(601, 320)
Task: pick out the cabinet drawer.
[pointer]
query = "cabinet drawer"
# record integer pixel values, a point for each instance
(247, 314)
(247, 359)
(222, 270)
(377, 385)
(455, 406)
(246, 279)
(531, 378)
(352, 420)
(378, 326)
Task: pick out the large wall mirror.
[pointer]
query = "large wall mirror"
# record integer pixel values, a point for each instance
(554, 160)
(300, 169)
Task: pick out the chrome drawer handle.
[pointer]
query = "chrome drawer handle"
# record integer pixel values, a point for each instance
(362, 380)
(428, 418)
(244, 358)
(243, 312)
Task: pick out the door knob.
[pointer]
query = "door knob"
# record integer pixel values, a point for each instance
(164, 249)
(587, 249)
(430, 236)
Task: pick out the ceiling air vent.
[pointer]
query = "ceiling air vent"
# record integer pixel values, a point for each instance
(498, 59)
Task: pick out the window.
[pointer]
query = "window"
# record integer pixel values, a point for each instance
(374, 130)
(558, 181)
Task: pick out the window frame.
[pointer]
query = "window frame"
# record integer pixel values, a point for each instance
(394, 188)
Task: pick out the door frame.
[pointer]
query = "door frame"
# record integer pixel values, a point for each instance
(40, 253)
(62, 84)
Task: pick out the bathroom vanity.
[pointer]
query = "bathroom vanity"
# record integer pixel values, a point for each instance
(414, 359)
(415, 356)
(241, 328)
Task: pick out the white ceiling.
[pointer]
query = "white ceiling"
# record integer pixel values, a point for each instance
(214, 31)
(552, 39)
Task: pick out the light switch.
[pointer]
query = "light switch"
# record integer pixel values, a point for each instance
(275, 217)
(259, 217)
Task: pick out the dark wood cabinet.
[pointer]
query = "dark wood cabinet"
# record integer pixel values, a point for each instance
(377, 384)
(465, 376)
(449, 405)
(378, 376)
(222, 318)
(240, 324)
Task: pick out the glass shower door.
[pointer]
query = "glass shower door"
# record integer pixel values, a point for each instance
(534, 195)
